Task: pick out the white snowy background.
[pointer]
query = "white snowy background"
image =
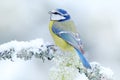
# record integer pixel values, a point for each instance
(98, 22)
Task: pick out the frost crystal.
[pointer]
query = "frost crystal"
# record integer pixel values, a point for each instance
(26, 50)
(65, 67)
(68, 67)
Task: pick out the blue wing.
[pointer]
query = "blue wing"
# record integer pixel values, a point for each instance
(71, 39)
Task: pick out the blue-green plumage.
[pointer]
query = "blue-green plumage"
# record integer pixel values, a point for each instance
(64, 29)
(69, 35)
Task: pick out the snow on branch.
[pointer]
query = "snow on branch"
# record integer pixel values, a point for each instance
(67, 66)
(26, 50)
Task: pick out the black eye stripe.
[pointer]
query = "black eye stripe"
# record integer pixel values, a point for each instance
(56, 13)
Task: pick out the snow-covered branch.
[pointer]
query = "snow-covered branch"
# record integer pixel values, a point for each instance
(26, 50)
(67, 66)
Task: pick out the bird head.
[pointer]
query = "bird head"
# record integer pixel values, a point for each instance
(59, 15)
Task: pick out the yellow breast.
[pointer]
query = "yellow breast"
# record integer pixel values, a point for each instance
(59, 41)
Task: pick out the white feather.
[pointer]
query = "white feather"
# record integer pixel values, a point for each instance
(56, 17)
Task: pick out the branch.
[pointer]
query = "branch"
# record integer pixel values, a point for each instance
(26, 50)
(67, 65)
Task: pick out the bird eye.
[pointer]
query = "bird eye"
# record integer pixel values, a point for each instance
(56, 13)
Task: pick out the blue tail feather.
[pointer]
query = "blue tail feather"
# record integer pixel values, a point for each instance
(84, 61)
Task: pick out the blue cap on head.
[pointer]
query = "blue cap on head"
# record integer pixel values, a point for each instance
(62, 11)
(59, 15)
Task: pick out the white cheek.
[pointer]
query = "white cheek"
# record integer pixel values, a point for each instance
(56, 17)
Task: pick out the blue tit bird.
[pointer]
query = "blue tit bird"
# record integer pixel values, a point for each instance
(65, 34)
